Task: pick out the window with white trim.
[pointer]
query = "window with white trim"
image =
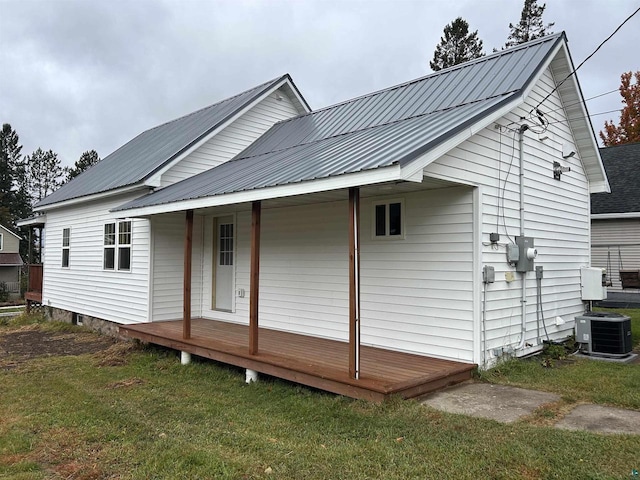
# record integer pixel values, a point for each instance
(124, 245)
(1, 241)
(388, 219)
(66, 242)
(117, 246)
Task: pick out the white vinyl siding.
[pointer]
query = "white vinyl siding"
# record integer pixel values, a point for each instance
(556, 215)
(86, 288)
(407, 285)
(417, 293)
(234, 138)
(168, 266)
(617, 239)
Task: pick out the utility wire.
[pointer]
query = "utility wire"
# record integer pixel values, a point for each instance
(572, 105)
(588, 57)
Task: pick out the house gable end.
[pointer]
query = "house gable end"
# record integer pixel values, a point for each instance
(558, 65)
(229, 139)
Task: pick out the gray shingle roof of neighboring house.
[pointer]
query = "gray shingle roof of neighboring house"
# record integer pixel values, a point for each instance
(389, 127)
(622, 164)
(141, 157)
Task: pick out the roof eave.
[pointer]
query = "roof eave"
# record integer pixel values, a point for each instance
(580, 123)
(370, 177)
(90, 198)
(35, 221)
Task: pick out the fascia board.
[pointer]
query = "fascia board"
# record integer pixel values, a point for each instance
(591, 143)
(154, 179)
(28, 222)
(91, 198)
(379, 175)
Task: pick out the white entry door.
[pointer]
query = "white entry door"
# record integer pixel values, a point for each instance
(224, 260)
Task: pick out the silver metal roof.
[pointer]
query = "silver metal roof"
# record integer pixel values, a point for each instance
(151, 150)
(392, 126)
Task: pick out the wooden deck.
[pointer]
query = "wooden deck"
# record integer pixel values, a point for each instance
(310, 361)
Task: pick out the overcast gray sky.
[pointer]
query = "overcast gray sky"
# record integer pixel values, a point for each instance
(78, 75)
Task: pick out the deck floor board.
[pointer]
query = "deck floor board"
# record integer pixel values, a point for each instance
(313, 361)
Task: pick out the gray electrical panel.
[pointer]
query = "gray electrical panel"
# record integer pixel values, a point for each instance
(527, 254)
(488, 274)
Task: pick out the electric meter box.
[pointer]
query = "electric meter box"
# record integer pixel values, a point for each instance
(527, 254)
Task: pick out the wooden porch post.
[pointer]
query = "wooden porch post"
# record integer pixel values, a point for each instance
(354, 282)
(256, 210)
(186, 291)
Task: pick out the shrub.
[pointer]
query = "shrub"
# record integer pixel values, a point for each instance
(4, 292)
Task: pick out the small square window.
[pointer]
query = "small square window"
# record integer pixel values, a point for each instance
(388, 219)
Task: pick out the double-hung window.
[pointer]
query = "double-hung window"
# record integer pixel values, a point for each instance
(388, 219)
(117, 245)
(66, 242)
(124, 245)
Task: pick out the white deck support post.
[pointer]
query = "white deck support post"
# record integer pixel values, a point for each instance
(251, 376)
(185, 358)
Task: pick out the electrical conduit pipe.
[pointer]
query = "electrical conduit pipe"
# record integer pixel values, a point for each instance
(523, 298)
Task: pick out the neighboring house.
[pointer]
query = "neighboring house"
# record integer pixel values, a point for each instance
(10, 260)
(615, 218)
(369, 221)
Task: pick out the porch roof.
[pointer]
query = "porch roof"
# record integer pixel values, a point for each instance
(389, 135)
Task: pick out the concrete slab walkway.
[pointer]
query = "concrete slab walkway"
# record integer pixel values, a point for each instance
(601, 419)
(508, 404)
(496, 402)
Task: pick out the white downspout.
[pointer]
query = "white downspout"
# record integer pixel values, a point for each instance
(523, 298)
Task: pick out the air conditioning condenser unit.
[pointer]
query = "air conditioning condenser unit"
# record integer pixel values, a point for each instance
(604, 334)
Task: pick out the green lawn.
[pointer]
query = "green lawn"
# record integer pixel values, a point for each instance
(139, 414)
(578, 380)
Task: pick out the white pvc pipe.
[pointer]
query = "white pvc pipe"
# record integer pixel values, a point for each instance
(251, 376)
(185, 358)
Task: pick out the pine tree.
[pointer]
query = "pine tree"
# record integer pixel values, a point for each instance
(43, 173)
(456, 46)
(628, 131)
(11, 205)
(530, 26)
(86, 160)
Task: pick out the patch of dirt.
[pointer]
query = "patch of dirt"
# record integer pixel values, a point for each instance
(130, 382)
(18, 346)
